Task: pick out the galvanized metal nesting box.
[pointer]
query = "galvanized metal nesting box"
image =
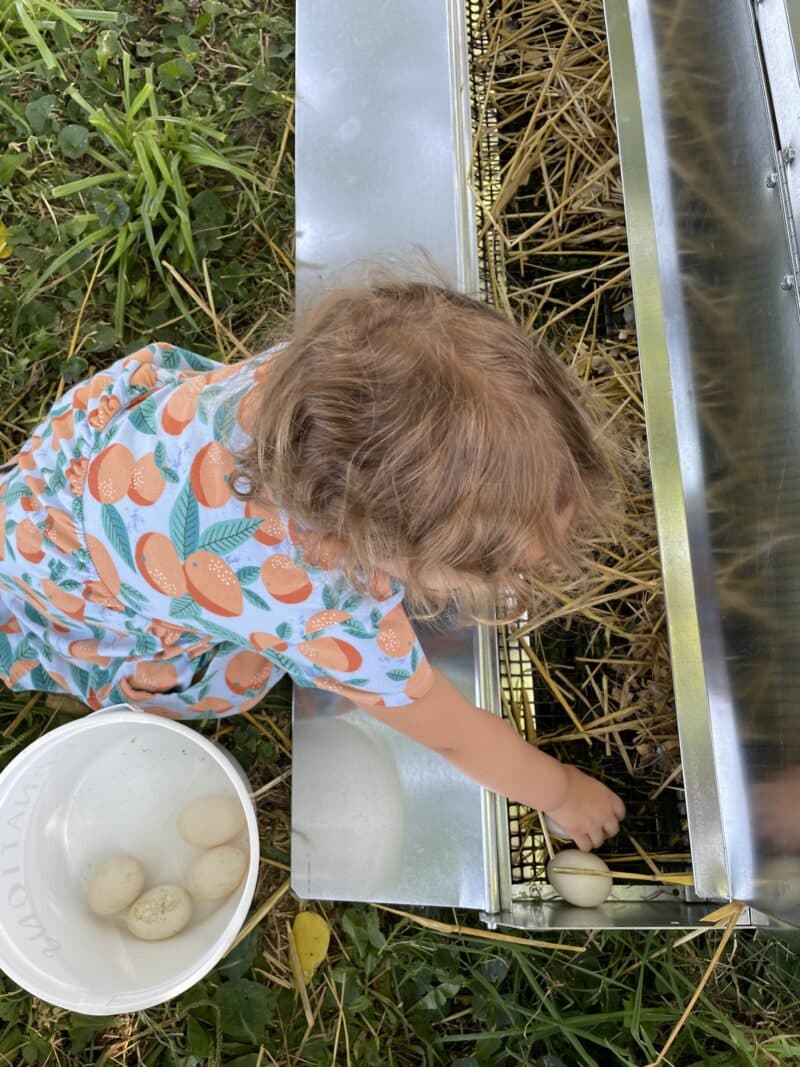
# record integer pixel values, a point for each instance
(708, 116)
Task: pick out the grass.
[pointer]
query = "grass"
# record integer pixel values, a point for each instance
(135, 135)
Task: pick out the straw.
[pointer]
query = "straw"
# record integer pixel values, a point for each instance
(299, 979)
(262, 911)
(457, 930)
(735, 910)
(684, 878)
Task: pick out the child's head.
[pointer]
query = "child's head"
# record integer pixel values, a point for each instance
(434, 440)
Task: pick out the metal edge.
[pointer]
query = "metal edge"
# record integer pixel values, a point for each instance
(706, 828)
(793, 18)
(467, 238)
(496, 845)
(626, 915)
(496, 857)
(778, 44)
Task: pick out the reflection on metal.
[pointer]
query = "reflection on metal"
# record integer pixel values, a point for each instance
(382, 140)
(711, 204)
(377, 817)
(382, 95)
(625, 914)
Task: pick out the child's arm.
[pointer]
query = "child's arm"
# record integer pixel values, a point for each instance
(491, 752)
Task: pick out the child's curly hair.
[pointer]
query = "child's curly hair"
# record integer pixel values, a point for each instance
(423, 431)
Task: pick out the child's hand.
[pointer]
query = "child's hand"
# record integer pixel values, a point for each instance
(590, 813)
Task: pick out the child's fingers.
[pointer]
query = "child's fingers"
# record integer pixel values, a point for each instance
(619, 808)
(611, 827)
(597, 838)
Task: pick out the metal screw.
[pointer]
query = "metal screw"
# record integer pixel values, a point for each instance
(788, 282)
(789, 154)
(772, 180)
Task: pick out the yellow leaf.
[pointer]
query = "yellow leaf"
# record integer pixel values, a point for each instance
(5, 247)
(312, 936)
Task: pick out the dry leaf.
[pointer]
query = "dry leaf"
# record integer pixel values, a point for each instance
(5, 247)
(312, 936)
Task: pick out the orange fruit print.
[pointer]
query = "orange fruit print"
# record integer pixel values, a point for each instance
(395, 635)
(181, 407)
(213, 584)
(284, 580)
(93, 388)
(155, 582)
(263, 641)
(110, 474)
(215, 704)
(247, 671)
(159, 565)
(210, 475)
(20, 669)
(71, 605)
(271, 531)
(323, 619)
(28, 541)
(104, 564)
(63, 428)
(332, 654)
(146, 481)
(86, 649)
(61, 530)
(106, 407)
(26, 460)
(154, 677)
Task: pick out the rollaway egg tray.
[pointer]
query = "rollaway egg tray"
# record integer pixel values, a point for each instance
(659, 825)
(396, 150)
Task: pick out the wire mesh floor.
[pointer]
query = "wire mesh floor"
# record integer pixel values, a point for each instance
(659, 825)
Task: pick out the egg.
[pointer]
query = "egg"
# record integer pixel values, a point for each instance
(555, 830)
(161, 912)
(582, 890)
(115, 885)
(215, 874)
(211, 820)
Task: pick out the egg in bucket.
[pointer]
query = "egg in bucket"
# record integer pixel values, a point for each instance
(114, 782)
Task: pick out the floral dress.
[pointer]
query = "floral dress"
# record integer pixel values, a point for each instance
(129, 572)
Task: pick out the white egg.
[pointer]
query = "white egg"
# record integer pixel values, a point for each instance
(161, 912)
(115, 885)
(582, 890)
(556, 830)
(215, 874)
(211, 820)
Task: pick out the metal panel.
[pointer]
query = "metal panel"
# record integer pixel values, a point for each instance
(778, 23)
(376, 816)
(382, 154)
(622, 915)
(719, 340)
(382, 139)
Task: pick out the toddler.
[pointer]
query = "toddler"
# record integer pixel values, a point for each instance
(179, 534)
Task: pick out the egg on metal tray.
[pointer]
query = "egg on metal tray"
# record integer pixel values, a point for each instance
(566, 873)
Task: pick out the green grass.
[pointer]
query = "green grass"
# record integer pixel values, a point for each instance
(133, 134)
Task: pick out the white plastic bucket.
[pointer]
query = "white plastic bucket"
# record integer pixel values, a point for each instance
(112, 782)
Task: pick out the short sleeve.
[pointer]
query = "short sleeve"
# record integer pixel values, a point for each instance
(359, 647)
